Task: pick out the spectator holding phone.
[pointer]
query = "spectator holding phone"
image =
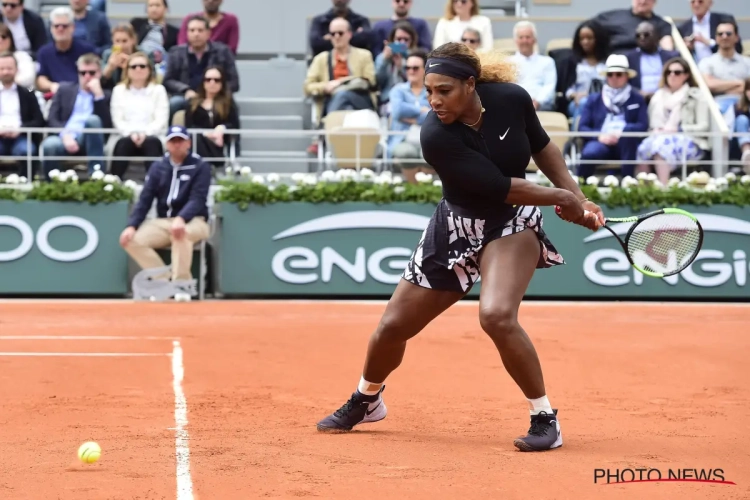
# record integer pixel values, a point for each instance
(390, 64)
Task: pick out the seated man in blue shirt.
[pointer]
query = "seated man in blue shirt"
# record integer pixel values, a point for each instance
(648, 60)
(179, 183)
(76, 107)
(57, 60)
(91, 25)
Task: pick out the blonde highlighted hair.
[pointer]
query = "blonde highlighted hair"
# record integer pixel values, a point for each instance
(450, 13)
(126, 72)
(491, 66)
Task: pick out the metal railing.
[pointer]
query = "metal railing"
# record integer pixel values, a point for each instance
(718, 162)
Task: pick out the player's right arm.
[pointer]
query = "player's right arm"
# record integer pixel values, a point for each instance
(462, 168)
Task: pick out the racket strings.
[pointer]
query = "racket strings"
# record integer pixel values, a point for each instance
(665, 243)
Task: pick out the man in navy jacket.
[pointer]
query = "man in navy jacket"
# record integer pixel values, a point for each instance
(179, 183)
(618, 108)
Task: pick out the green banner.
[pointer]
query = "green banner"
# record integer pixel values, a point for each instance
(361, 249)
(62, 248)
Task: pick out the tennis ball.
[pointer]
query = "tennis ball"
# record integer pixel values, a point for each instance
(89, 452)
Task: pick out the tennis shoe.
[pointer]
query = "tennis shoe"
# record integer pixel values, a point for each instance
(360, 409)
(544, 434)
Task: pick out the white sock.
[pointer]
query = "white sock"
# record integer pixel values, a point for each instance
(539, 405)
(368, 388)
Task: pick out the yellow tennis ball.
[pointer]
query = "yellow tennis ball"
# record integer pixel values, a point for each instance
(89, 452)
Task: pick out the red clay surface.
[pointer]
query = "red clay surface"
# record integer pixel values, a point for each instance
(637, 387)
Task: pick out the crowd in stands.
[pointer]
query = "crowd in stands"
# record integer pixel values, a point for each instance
(620, 73)
(80, 75)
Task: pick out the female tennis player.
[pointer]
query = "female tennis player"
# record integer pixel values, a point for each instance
(479, 137)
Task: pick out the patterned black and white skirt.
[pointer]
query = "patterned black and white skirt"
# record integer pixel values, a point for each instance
(447, 255)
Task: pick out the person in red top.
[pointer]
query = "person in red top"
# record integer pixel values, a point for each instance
(224, 26)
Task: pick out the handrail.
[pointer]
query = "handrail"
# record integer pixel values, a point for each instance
(720, 146)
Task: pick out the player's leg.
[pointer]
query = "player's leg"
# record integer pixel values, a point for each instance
(410, 309)
(507, 265)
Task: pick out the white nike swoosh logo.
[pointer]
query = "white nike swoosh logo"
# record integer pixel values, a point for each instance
(502, 137)
(435, 64)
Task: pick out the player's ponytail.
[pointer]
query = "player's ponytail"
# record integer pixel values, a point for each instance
(496, 68)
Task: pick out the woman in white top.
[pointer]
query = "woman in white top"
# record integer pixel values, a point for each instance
(140, 113)
(459, 15)
(26, 75)
(678, 113)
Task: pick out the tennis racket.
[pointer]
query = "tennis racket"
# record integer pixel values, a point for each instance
(660, 243)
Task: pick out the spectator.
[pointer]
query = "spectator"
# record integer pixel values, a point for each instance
(91, 25)
(678, 114)
(390, 64)
(742, 125)
(579, 71)
(26, 25)
(537, 73)
(621, 25)
(472, 38)
(213, 108)
(58, 59)
(25, 66)
(75, 108)
(616, 109)
(321, 39)
(115, 59)
(382, 29)
(223, 26)
(409, 108)
(155, 36)
(140, 113)
(19, 108)
(699, 32)
(100, 5)
(648, 60)
(186, 64)
(459, 15)
(179, 183)
(343, 77)
(726, 71)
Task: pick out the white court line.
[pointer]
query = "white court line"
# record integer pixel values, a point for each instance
(80, 337)
(88, 354)
(182, 449)
(469, 302)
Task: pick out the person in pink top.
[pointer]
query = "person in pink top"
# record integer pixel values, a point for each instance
(224, 26)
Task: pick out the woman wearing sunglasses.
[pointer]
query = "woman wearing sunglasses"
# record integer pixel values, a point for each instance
(677, 115)
(390, 64)
(459, 15)
(140, 113)
(213, 108)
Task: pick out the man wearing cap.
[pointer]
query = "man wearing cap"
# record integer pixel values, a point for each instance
(179, 183)
(618, 108)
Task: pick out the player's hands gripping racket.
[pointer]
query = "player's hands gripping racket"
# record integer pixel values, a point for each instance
(660, 243)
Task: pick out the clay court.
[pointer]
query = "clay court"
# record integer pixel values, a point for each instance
(638, 386)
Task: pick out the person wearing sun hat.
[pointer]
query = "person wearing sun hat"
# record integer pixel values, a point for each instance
(616, 109)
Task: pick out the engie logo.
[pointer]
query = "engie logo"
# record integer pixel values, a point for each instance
(303, 265)
(42, 239)
(610, 267)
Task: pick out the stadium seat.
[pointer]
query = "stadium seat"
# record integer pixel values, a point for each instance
(552, 122)
(348, 150)
(505, 45)
(179, 118)
(746, 48)
(559, 43)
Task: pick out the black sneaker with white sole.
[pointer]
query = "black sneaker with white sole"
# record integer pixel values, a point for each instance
(544, 434)
(359, 409)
